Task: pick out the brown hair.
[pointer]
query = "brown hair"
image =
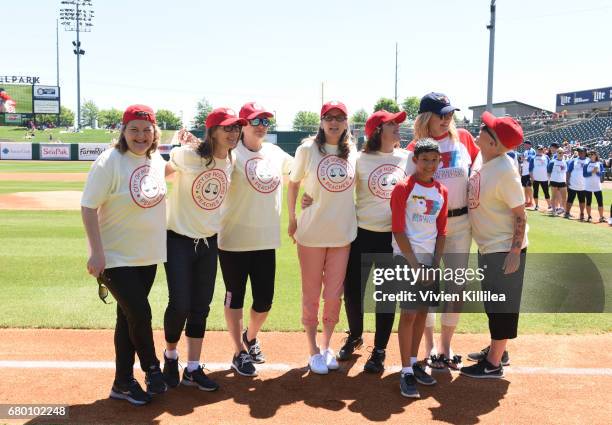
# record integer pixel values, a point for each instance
(206, 148)
(122, 145)
(374, 143)
(421, 127)
(344, 145)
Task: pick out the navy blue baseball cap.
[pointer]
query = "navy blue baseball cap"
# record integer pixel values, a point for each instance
(437, 103)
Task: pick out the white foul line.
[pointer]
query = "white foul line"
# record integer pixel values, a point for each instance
(283, 367)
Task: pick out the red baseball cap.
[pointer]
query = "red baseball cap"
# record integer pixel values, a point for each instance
(254, 110)
(224, 116)
(139, 112)
(4, 95)
(381, 117)
(507, 129)
(334, 104)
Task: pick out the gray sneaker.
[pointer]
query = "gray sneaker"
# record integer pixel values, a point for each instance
(421, 376)
(408, 386)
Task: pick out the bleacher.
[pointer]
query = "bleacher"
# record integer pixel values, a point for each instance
(589, 132)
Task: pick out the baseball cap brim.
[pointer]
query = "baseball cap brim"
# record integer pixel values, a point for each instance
(398, 117)
(260, 114)
(233, 120)
(448, 109)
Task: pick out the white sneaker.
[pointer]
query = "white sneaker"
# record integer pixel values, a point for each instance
(317, 364)
(330, 359)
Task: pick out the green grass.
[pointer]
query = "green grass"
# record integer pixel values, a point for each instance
(44, 282)
(22, 95)
(18, 134)
(45, 166)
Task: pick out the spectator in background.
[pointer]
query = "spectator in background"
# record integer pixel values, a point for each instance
(557, 170)
(526, 179)
(554, 146)
(592, 173)
(538, 169)
(575, 182)
(529, 150)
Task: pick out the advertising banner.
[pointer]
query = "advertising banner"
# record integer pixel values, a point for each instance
(55, 151)
(91, 151)
(12, 150)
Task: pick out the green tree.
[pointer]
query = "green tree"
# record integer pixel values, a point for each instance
(410, 105)
(89, 113)
(306, 121)
(272, 124)
(359, 117)
(109, 117)
(202, 110)
(168, 120)
(387, 104)
(66, 117)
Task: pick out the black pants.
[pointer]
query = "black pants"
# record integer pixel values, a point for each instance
(191, 271)
(355, 282)
(598, 197)
(503, 317)
(571, 195)
(536, 189)
(133, 334)
(259, 266)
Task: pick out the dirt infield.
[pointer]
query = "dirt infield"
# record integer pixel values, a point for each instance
(553, 379)
(47, 177)
(41, 201)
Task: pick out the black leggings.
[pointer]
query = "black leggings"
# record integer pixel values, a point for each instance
(536, 189)
(503, 317)
(355, 282)
(191, 271)
(259, 266)
(133, 334)
(598, 196)
(571, 195)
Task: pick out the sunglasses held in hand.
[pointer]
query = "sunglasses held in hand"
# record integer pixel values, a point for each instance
(103, 281)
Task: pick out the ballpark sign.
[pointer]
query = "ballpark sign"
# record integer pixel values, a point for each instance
(91, 151)
(18, 79)
(57, 151)
(15, 150)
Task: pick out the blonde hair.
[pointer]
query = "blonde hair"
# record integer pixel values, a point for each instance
(421, 127)
(122, 146)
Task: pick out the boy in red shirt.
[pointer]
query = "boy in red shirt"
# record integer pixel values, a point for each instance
(419, 207)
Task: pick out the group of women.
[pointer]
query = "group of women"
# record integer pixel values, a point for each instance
(226, 204)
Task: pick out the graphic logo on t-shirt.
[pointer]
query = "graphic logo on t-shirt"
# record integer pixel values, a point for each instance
(449, 167)
(335, 174)
(474, 191)
(147, 187)
(261, 175)
(425, 209)
(383, 179)
(209, 189)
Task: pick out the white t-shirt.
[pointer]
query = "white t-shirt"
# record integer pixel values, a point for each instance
(525, 167)
(493, 192)
(458, 159)
(377, 175)
(538, 166)
(575, 168)
(558, 171)
(420, 211)
(129, 193)
(252, 211)
(592, 183)
(194, 207)
(331, 220)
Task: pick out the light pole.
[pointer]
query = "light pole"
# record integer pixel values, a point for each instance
(491, 28)
(77, 16)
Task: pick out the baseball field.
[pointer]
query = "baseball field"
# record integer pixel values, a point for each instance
(56, 342)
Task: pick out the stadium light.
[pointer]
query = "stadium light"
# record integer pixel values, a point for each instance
(77, 16)
(491, 28)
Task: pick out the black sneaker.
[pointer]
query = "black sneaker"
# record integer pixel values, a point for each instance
(421, 376)
(376, 362)
(131, 392)
(253, 348)
(483, 369)
(350, 345)
(482, 355)
(198, 378)
(171, 372)
(155, 381)
(243, 364)
(408, 386)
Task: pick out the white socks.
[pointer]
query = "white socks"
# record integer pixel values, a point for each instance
(407, 370)
(172, 354)
(191, 366)
(413, 360)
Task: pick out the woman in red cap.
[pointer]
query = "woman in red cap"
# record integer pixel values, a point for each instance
(459, 156)
(380, 166)
(325, 230)
(250, 234)
(123, 209)
(194, 218)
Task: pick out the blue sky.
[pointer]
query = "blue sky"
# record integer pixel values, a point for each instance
(170, 54)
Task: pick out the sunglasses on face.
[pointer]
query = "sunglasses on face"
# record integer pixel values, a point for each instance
(230, 128)
(489, 132)
(337, 118)
(259, 121)
(102, 288)
(446, 116)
